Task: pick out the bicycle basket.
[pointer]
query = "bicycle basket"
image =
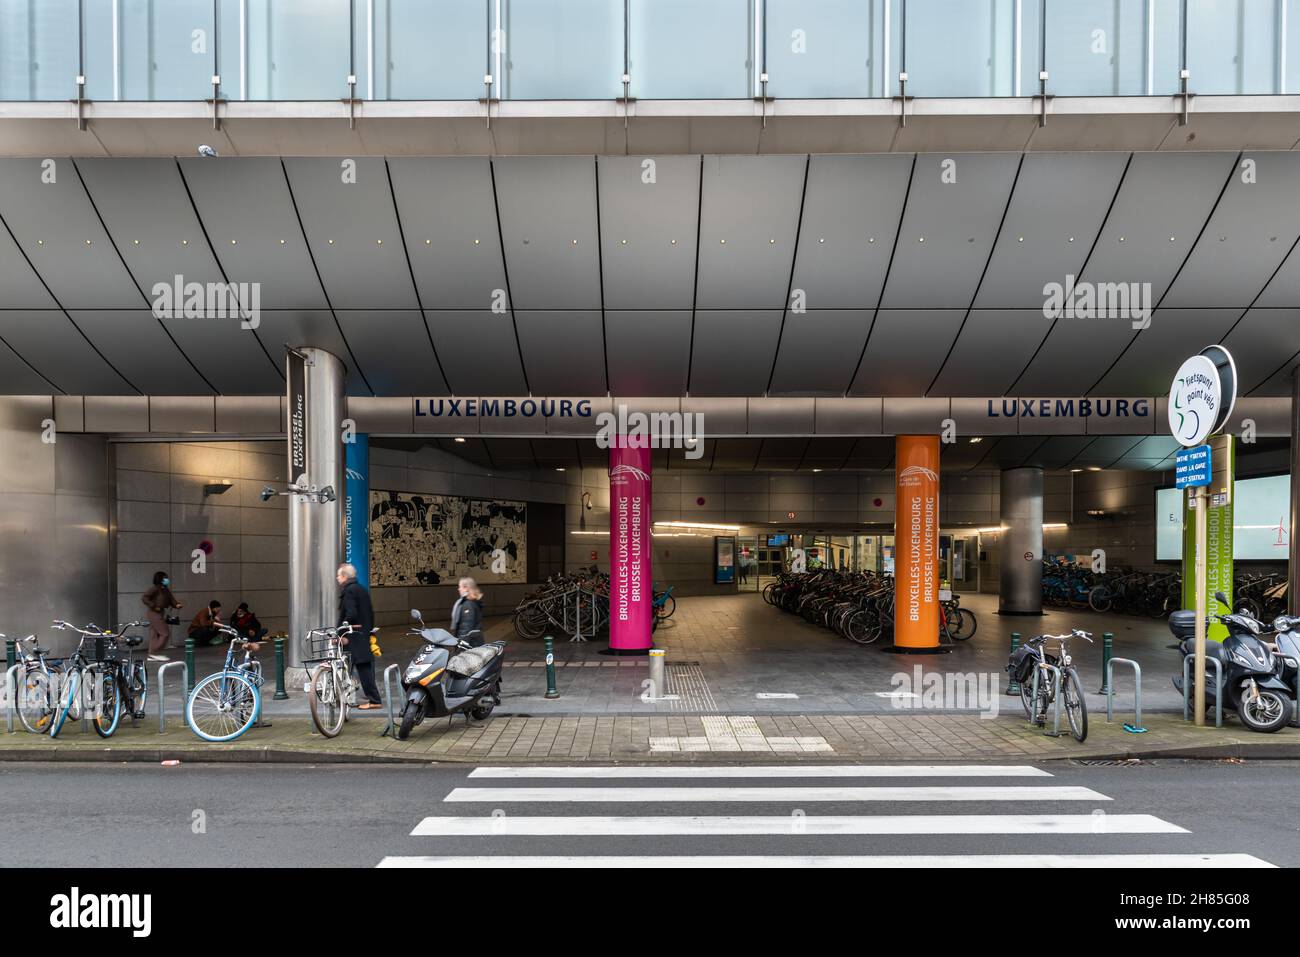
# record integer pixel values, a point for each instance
(316, 647)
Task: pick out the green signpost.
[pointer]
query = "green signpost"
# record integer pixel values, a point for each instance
(1218, 535)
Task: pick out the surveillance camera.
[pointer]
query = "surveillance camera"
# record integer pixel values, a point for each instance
(206, 150)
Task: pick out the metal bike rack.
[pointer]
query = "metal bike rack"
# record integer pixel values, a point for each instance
(1060, 693)
(87, 674)
(162, 693)
(1137, 689)
(388, 694)
(1218, 683)
(11, 689)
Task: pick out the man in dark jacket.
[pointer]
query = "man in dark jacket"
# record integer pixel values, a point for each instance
(355, 609)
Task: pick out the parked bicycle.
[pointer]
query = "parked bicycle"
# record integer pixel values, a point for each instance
(332, 686)
(71, 695)
(564, 603)
(1056, 675)
(37, 685)
(227, 703)
(956, 622)
(121, 683)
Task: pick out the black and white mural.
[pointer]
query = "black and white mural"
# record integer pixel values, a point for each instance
(419, 539)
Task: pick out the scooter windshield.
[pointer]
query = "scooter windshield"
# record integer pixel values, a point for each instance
(439, 636)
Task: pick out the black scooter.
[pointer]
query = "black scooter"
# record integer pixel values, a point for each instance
(448, 676)
(1253, 681)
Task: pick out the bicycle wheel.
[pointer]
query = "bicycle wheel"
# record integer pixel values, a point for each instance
(139, 687)
(325, 696)
(669, 606)
(1027, 698)
(37, 694)
(1076, 708)
(962, 624)
(108, 709)
(68, 702)
(223, 706)
(1099, 599)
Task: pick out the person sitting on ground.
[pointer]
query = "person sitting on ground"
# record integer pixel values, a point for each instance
(246, 623)
(203, 627)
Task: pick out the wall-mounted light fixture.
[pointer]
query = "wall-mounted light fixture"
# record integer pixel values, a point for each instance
(217, 487)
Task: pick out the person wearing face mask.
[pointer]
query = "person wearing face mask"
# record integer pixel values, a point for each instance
(467, 613)
(161, 605)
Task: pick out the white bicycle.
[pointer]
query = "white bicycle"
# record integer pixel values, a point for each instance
(332, 685)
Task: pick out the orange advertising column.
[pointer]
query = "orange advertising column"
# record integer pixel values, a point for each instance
(916, 543)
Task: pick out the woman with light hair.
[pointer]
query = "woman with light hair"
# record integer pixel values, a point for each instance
(467, 613)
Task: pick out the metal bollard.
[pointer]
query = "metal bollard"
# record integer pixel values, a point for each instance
(1107, 649)
(1137, 692)
(391, 727)
(11, 652)
(551, 692)
(1013, 687)
(280, 693)
(11, 691)
(657, 671)
(189, 666)
(162, 693)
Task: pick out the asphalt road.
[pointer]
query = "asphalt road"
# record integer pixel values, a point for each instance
(136, 815)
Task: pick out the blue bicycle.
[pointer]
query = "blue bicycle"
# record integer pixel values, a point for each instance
(226, 704)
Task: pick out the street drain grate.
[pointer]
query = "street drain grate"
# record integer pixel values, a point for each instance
(1109, 763)
(686, 681)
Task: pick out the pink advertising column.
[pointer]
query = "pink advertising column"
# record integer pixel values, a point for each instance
(631, 594)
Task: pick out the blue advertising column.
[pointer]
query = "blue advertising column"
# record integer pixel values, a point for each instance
(356, 505)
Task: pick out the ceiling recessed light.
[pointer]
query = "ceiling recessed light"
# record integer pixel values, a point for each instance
(575, 242)
(379, 242)
(560, 468)
(87, 242)
(135, 242)
(459, 438)
(330, 241)
(233, 241)
(771, 241)
(978, 439)
(40, 242)
(920, 239)
(623, 241)
(673, 241)
(1020, 239)
(185, 242)
(723, 241)
(282, 242)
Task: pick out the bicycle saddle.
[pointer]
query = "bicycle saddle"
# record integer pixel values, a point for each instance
(133, 640)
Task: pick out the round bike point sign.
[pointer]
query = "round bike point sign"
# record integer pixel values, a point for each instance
(1195, 398)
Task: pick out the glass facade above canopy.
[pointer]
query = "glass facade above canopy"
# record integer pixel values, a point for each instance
(296, 50)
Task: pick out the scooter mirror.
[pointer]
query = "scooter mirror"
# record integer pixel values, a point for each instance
(415, 615)
(1222, 598)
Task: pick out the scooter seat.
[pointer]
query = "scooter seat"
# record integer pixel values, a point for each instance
(1212, 649)
(474, 660)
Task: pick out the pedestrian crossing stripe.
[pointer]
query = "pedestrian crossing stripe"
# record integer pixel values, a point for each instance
(778, 771)
(785, 824)
(588, 795)
(1026, 862)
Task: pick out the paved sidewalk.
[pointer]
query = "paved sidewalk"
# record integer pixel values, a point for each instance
(668, 738)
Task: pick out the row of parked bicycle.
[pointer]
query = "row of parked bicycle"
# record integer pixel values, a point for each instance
(102, 681)
(1127, 591)
(577, 603)
(858, 606)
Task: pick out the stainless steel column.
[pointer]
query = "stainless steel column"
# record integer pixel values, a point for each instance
(1293, 552)
(1021, 589)
(315, 527)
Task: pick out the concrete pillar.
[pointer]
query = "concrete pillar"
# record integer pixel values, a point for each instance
(1021, 590)
(316, 414)
(1293, 550)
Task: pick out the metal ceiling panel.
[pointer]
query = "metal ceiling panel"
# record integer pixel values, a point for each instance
(247, 199)
(1163, 195)
(352, 230)
(1280, 383)
(649, 352)
(478, 352)
(949, 228)
(851, 209)
(782, 454)
(1010, 451)
(749, 218)
(826, 452)
(137, 345)
(59, 230)
(819, 351)
(729, 416)
(991, 352)
(648, 222)
(548, 216)
(1075, 354)
(905, 350)
(1149, 364)
(739, 455)
(871, 453)
(1260, 343)
(471, 450)
(1104, 450)
(1056, 211)
(20, 288)
(732, 351)
(510, 454)
(556, 453)
(1250, 233)
(18, 378)
(1060, 450)
(962, 455)
(449, 217)
(148, 213)
(844, 416)
(230, 357)
(564, 352)
(52, 345)
(393, 352)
